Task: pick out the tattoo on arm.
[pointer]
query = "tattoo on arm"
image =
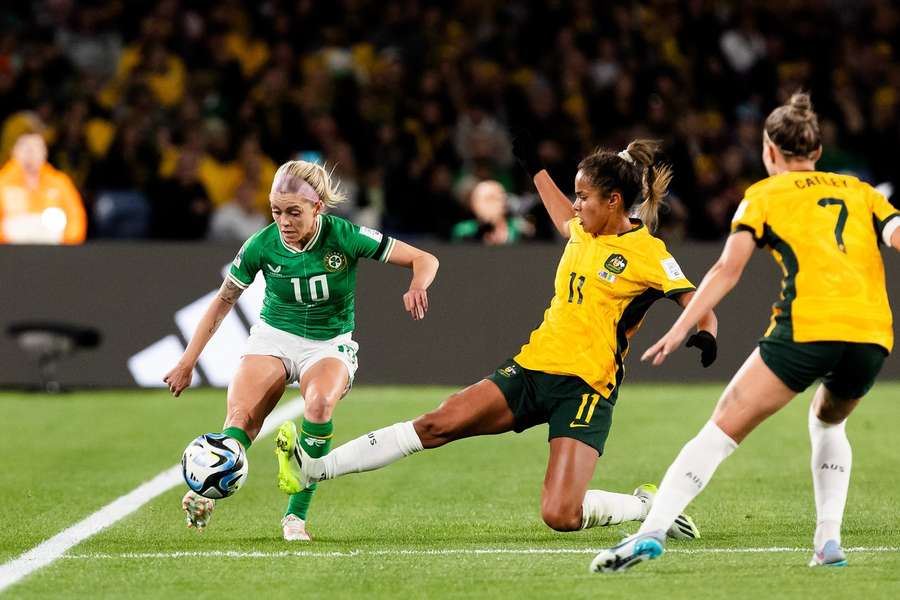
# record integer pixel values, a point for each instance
(215, 325)
(229, 292)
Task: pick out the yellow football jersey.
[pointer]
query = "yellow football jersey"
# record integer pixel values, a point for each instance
(823, 229)
(603, 288)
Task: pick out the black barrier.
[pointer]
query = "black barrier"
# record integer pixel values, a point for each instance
(145, 298)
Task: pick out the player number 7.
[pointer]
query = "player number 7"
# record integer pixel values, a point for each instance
(841, 220)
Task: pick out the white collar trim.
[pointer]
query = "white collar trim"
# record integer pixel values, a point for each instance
(312, 241)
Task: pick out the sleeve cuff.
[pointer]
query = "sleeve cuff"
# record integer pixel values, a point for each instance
(673, 294)
(890, 225)
(238, 282)
(760, 242)
(384, 250)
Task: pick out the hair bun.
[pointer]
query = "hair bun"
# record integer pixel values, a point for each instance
(800, 102)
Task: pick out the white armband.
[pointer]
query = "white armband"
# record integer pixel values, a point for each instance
(888, 231)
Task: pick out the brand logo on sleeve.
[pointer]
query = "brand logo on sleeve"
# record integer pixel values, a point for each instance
(615, 264)
(334, 261)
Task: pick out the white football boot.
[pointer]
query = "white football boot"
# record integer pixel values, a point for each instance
(632, 550)
(294, 529)
(831, 555)
(198, 508)
(682, 529)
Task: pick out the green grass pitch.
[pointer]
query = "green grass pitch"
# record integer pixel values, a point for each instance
(459, 522)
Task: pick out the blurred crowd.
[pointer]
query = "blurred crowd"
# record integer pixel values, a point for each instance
(170, 117)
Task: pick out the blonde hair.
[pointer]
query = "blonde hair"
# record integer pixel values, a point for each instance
(290, 177)
(794, 128)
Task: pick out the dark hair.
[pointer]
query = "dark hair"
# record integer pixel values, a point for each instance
(635, 174)
(794, 127)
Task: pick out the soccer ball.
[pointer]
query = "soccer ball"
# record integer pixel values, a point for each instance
(214, 465)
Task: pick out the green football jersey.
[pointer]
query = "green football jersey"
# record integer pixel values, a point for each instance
(310, 292)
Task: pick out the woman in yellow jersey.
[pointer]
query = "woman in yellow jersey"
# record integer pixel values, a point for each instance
(832, 321)
(568, 374)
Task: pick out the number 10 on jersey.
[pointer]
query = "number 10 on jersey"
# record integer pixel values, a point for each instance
(318, 289)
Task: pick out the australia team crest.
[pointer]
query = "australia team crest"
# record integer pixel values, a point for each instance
(334, 261)
(616, 263)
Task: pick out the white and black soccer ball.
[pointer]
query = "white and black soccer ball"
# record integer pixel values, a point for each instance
(214, 465)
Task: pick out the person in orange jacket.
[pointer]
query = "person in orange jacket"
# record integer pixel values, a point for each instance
(38, 204)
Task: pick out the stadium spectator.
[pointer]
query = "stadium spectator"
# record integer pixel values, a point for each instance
(182, 208)
(419, 92)
(38, 204)
(238, 219)
(492, 224)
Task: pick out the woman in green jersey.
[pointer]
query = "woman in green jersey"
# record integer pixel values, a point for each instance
(308, 260)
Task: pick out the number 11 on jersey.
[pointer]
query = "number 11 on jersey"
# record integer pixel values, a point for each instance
(572, 289)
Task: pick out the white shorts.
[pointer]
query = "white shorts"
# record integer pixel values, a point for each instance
(299, 353)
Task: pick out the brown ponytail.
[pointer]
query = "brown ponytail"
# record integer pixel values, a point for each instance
(655, 179)
(794, 128)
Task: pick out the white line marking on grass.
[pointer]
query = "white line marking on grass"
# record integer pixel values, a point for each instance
(49, 550)
(444, 552)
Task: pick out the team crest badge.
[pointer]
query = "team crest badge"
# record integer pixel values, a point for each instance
(335, 261)
(615, 264)
(507, 371)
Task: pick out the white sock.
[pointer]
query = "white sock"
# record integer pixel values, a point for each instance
(368, 452)
(688, 475)
(831, 461)
(601, 508)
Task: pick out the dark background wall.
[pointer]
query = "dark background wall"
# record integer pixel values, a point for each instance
(484, 304)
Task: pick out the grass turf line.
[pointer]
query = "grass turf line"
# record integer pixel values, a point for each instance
(470, 495)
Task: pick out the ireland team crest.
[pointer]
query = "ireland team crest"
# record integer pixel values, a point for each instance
(616, 263)
(335, 261)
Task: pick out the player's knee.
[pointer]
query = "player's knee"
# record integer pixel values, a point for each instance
(560, 517)
(832, 408)
(318, 406)
(435, 429)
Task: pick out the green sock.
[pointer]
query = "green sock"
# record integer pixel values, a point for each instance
(238, 434)
(316, 440)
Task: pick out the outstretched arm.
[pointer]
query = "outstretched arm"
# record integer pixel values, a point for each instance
(707, 322)
(716, 284)
(179, 377)
(424, 267)
(558, 206)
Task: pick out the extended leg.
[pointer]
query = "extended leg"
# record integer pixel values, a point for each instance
(480, 409)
